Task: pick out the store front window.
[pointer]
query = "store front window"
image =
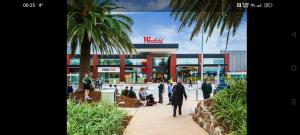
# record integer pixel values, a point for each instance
(109, 75)
(135, 75)
(212, 71)
(160, 69)
(187, 73)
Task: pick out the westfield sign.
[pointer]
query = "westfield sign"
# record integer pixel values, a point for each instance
(149, 40)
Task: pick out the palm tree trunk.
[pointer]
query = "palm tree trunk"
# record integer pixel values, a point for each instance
(84, 59)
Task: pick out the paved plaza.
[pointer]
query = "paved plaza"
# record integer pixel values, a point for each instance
(158, 119)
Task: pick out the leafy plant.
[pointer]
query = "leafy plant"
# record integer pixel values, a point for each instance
(94, 119)
(230, 107)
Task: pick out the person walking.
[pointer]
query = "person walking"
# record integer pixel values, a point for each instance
(190, 81)
(206, 89)
(100, 83)
(161, 89)
(178, 93)
(170, 92)
(87, 85)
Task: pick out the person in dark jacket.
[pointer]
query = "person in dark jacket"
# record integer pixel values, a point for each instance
(161, 89)
(131, 93)
(70, 89)
(206, 89)
(178, 93)
(87, 85)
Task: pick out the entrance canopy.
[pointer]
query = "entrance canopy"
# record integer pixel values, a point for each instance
(162, 49)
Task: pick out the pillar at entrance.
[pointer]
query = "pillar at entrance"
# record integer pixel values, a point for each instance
(149, 68)
(172, 69)
(122, 68)
(226, 61)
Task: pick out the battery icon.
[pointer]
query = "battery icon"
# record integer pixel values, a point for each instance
(268, 5)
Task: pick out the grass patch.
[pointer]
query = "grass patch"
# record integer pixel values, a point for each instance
(230, 107)
(94, 119)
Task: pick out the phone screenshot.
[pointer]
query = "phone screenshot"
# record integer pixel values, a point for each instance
(163, 67)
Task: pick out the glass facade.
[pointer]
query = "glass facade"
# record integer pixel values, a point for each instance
(113, 62)
(213, 60)
(186, 61)
(74, 78)
(160, 61)
(76, 61)
(212, 71)
(135, 62)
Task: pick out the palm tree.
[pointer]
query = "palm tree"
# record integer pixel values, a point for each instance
(90, 23)
(208, 14)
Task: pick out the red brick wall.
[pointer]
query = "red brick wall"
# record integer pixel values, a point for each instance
(122, 68)
(173, 67)
(149, 68)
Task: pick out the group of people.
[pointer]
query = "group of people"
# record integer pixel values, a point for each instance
(129, 93)
(175, 94)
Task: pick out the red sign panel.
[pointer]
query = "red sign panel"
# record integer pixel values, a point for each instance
(149, 40)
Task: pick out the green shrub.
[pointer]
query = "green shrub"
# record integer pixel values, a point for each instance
(230, 107)
(94, 119)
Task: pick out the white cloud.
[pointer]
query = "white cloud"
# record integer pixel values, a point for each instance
(157, 5)
(143, 5)
(214, 45)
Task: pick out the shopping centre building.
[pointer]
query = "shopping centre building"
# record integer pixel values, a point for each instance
(158, 62)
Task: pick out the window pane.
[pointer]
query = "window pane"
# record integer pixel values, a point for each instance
(187, 61)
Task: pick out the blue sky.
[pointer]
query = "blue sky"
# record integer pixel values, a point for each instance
(162, 25)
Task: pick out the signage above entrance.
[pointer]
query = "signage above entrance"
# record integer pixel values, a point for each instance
(108, 69)
(149, 40)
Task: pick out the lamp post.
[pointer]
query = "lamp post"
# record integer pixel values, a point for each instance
(201, 64)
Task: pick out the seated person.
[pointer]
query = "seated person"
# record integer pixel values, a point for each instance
(150, 99)
(142, 94)
(125, 92)
(131, 93)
